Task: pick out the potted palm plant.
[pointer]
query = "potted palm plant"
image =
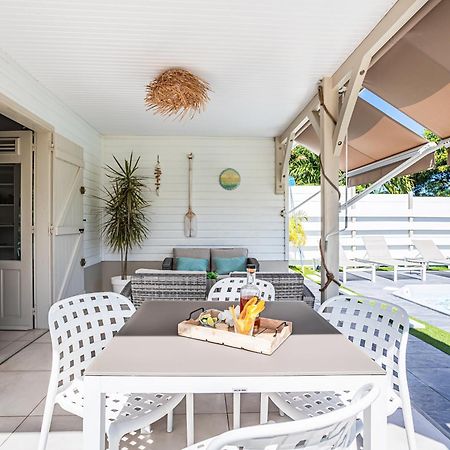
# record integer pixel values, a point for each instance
(125, 223)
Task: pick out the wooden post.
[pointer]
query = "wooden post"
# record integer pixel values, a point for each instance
(328, 195)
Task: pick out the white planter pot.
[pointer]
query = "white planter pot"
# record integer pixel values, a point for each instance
(118, 284)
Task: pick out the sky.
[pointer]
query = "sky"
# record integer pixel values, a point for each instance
(391, 111)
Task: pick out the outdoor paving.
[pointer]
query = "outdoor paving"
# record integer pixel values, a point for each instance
(428, 367)
(23, 385)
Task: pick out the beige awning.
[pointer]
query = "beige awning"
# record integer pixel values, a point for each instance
(414, 73)
(372, 137)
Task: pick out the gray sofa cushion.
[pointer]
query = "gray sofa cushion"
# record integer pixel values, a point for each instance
(226, 253)
(197, 252)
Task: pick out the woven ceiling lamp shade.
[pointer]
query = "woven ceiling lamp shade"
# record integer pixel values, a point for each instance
(177, 92)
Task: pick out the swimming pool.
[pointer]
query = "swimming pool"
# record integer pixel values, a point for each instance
(434, 296)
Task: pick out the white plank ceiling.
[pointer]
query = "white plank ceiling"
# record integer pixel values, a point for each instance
(262, 58)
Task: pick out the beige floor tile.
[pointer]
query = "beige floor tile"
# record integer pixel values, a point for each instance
(32, 357)
(8, 425)
(45, 338)
(21, 392)
(11, 349)
(206, 426)
(58, 440)
(7, 335)
(59, 423)
(58, 411)
(205, 404)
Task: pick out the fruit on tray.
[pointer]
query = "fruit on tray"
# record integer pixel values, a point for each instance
(208, 320)
(244, 323)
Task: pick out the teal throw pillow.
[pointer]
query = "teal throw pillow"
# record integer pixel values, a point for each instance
(226, 265)
(193, 264)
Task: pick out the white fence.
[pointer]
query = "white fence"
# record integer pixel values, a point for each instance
(399, 218)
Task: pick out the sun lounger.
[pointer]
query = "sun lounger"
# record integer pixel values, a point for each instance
(353, 265)
(430, 253)
(378, 253)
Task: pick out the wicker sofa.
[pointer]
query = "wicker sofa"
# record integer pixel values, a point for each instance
(149, 284)
(207, 253)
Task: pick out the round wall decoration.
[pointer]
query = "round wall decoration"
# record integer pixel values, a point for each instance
(229, 179)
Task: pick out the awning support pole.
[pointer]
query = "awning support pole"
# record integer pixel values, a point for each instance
(329, 195)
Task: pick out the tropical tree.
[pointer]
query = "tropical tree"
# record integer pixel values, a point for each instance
(125, 222)
(297, 234)
(304, 166)
(434, 182)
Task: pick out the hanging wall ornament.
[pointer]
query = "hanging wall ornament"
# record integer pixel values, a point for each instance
(229, 179)
(157, 173)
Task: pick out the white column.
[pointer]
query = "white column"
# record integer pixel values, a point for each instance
(328, 196)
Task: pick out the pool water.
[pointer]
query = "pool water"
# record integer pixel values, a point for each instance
(434, 296)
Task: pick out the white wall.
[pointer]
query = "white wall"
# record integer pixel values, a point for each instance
(19, 86)
(248, 217)
(392, 216)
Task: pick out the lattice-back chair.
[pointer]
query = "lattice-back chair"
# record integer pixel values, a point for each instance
(335, 430)
(229, 289)
(381, 330)
(80, 328)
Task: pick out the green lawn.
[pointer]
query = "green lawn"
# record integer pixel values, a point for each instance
(434, 336)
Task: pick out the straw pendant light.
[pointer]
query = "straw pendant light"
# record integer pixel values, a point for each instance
(177, 92)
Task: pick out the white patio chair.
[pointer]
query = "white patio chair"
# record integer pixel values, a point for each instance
(80, 328)
(336, 429)
(353, 265)
(378, 253)
(430, 253)
(229, 289)
(381, 330)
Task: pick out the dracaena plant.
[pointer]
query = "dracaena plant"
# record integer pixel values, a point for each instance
(125, 222)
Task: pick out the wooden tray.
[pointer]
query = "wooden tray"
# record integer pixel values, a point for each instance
(272, 333)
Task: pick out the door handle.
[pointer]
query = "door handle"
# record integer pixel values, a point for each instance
(81, 230)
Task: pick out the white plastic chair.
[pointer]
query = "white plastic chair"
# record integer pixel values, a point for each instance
(335, 430)
(80, 328)
(381, 329)
(229, 289)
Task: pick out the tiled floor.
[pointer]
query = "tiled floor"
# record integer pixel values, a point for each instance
(13, 341)
(23, 384)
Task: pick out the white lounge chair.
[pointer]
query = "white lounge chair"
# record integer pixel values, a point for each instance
(430, 253)
(378, 252)
(353, 265)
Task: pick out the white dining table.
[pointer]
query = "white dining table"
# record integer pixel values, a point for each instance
(147, 356)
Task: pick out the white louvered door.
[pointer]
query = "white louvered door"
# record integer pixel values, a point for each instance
(68, 226)
(16, 269)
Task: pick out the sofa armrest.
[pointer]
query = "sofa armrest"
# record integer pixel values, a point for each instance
(167, 264)
(126, 291)
(253, 261)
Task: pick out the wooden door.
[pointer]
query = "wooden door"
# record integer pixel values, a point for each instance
(16, 265)
(68, 225)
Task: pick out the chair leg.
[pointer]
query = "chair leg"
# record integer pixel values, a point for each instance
(344, 275)
(114, 442)
(264, 409)
(374, 274)
(46, 422)
(395, 274)
(170, 421)
(236, 410)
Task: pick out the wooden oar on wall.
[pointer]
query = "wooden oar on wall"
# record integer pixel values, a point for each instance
(190, 219)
